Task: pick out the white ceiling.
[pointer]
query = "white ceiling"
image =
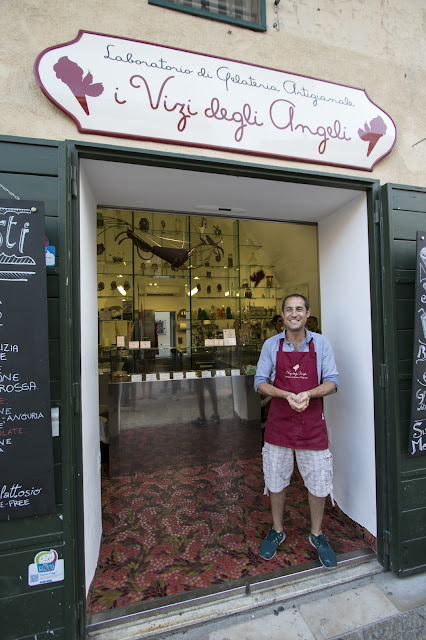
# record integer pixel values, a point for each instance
(132, 186)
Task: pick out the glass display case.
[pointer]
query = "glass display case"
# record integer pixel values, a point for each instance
(223, 282)
(128, 365)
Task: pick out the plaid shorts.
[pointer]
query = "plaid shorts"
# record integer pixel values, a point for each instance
(316, 469)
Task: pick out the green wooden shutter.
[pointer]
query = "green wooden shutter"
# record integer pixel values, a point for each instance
(404, 212)
(39, 170)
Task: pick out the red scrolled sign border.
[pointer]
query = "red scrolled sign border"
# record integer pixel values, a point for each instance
(129, 89)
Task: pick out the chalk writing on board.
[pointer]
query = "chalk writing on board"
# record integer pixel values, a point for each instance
(14, 229)
(26, 454)
(417, 435)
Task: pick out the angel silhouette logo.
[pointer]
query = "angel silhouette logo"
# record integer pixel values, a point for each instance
(72, 75)
(296, 367)
(372, 133)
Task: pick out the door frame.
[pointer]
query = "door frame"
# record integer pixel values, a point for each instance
(371, 187)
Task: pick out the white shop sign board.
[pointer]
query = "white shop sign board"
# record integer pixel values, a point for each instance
(126, 88)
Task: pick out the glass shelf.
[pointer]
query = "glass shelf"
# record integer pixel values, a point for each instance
(149, 289)
(258, 288)
(209, 321)
(211, 266)
(257, 266)
(159, 276)
(212, 297)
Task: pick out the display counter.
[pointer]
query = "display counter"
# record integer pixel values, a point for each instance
(191, 406)
(123, 364)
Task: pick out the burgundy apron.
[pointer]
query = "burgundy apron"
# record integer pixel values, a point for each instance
(296, 371)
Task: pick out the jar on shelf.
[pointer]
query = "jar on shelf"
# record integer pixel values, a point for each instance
(269, 281)
(144, 224)
(178, 226)
(230, 260)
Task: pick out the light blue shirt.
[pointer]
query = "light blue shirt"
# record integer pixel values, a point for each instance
(326, 366)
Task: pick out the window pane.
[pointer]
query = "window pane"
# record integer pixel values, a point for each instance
(248, 10)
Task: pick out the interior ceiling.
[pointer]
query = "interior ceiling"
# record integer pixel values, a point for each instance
(132, 186)
(139, 187)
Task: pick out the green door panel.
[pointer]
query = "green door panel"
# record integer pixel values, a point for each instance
(404, 213)
(408, 199)
(29, 158)
(414, 524)
(38, 170)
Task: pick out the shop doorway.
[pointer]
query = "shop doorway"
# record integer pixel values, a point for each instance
(343, 304)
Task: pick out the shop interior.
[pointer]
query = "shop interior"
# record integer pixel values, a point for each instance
(173, 486)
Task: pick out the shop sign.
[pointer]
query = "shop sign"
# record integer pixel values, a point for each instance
(417, 437)
(26, 453)
(118, 87)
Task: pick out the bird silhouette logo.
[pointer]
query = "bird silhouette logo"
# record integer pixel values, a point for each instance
(72, 75)
(372, 133)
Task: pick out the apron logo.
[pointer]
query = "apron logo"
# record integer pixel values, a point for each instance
(296, 374)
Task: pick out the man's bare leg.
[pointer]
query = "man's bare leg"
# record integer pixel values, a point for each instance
(317, 512)
(277, 509)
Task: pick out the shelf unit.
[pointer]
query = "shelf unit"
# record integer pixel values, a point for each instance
(207, 296)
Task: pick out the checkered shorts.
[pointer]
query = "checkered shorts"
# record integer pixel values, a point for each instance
(316, 469)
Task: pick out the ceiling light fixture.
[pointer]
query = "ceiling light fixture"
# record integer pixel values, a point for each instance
(216, 207)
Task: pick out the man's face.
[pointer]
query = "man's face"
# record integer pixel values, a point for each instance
(295, 314)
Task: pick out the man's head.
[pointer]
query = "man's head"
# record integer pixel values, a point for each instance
(278, 322)
(295, 311)
(312, 324)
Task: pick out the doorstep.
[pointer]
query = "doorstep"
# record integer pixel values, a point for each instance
(125, 625)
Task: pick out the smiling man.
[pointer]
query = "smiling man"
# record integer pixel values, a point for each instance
(296, 369)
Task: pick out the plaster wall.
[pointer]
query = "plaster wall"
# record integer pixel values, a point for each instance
(377, 45)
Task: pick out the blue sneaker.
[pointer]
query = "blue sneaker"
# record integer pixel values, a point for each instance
(199, 422)
(326, 554)
(269, 546)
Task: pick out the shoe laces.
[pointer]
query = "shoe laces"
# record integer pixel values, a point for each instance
(274, 536)
(320, 541)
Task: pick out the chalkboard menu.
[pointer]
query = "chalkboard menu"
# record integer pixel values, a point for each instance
(417, 437)
(26, 457)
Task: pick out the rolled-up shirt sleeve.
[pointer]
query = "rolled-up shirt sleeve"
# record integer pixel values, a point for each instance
(265, 371)
(329, 371)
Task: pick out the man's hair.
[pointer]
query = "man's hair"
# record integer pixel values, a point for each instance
(275, 318)
(296, 295)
